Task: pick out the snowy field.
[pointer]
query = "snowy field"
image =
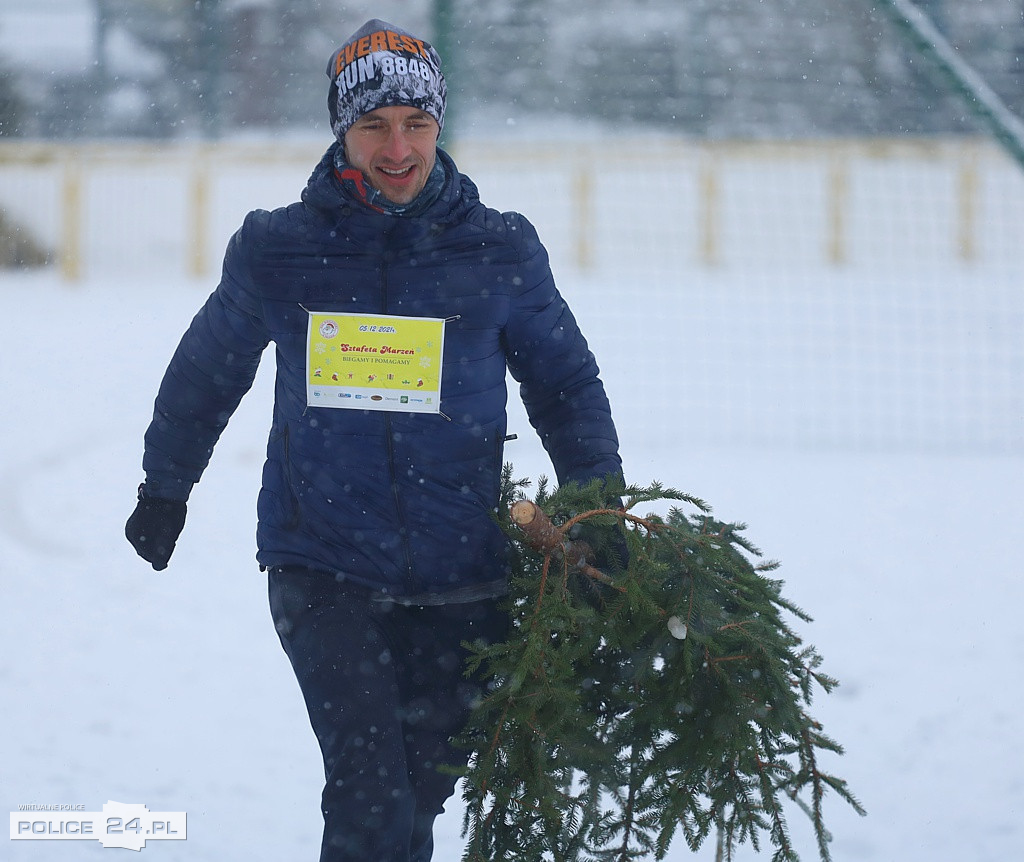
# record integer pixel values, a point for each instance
(171, 689)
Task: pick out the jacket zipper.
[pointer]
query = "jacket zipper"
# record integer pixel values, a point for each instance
(392, 470)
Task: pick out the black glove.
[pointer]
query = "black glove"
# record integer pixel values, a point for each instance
(154, 527)
(609, 554)
(608, 543)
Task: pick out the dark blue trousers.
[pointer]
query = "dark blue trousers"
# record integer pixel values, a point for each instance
(385, 692)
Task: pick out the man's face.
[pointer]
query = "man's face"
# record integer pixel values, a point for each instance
(395, 149)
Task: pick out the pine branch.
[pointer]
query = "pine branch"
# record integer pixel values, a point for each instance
(671, 701)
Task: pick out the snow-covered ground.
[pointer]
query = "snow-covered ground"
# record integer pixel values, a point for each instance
(171, 690)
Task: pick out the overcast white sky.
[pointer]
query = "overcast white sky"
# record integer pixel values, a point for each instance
(58, 35)
(45, 6)
(55, 35)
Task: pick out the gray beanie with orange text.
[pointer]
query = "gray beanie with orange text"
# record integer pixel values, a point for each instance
(381, 66)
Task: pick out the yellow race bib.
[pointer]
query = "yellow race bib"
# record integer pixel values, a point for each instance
(374, 362)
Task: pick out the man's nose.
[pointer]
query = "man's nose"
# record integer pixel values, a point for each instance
(397, 146)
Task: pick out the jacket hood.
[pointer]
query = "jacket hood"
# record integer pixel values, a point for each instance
(324, 192)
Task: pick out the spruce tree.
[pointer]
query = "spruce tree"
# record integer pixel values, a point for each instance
(631, 704)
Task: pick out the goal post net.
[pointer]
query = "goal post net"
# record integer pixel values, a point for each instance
(850, 290)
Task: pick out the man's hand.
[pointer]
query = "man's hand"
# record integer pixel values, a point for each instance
(610, 555)
(154, 527)
(607, 542)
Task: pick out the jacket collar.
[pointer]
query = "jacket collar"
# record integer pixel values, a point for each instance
(325, 192)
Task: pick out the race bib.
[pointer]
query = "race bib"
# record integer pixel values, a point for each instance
(374, 362)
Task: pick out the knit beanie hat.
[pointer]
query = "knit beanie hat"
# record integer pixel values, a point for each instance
(380, 66)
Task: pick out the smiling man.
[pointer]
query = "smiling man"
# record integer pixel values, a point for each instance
(387, 101)
(397, 302)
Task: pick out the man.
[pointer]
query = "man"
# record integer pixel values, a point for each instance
(396, 301)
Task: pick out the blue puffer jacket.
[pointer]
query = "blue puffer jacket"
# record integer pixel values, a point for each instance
(401, 503)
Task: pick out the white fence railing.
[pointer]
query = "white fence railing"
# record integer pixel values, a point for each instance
(650, 205)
